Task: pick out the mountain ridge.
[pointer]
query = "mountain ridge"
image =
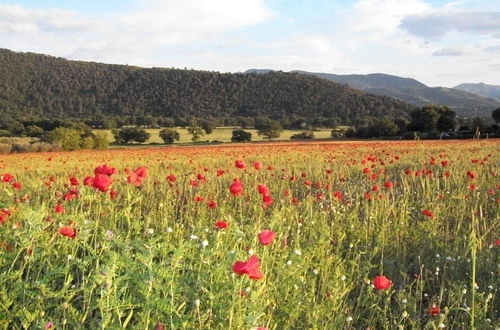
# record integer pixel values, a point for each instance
(410, 90)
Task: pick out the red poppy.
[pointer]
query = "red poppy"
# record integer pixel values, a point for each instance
(375, 188)
(267, 200)
(74, 181)
(367, 196)
(198, 198)
(249, 267)
(211, 204)
(236, 188)
(101, 182)
(240, 164)
(427, 213)
(72, 194)
(220, 172)
(88, 181)
(266, 236)
(262, 189)
(434, 310)
(388, 184)
(7, 177)
(200, 176)
(171, 178)
(138, 176)
(257, 165)
(59, 208)
(4, 214)
(221, 224)
(17, 185)
(471, 174)
(381, 282)
(68, 231)
(105, 170)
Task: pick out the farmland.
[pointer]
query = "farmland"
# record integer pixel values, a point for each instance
(379, 235)
(221, 134)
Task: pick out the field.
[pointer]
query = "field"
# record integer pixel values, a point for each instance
(222, 134)
(392, 235)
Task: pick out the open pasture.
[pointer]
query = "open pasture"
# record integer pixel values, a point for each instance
(304, 236)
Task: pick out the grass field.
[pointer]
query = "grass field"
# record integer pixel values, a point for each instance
(222, 134)
(359, 235)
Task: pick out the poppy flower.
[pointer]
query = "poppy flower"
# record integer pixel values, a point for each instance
(221, 225)
(17, 185)
(471, 175)
(101, 182)
(4, 214)
(220, 172)
(266, 237)
(212, 205)
(381, 282)
(68, 231)
(7, 177)
(427, 213)
(72, 194)
(257, 165)
(236, 188)
(388, 184)
(267, 200)
(375, 188)
(171, 178)
(240, 164)
(59, 208)
(88, 181)
(434, 311)
(74, 181)
(262, 189)
(138, 176)
(251, 267)
(105, 170)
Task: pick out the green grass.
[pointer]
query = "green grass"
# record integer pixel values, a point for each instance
(219, 134)
(153, 254)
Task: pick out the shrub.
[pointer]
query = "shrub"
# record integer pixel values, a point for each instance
(240, 135)
(306, 135)
(169, 135)
(5, 148)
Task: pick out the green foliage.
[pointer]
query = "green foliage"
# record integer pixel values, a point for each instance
(67, 138)
(240, 135)
(496, 115)
(100, 141)
(169, 135)
(431, 118)
(130, 134)
(196, 131)
(38, 85)
(268, 128)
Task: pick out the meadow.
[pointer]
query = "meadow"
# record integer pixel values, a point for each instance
(331, 235)
(221, 134)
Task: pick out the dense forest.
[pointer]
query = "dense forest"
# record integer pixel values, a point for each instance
(34, 86)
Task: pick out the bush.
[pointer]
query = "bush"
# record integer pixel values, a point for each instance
(101, 141)
(306, 135)
(240, 135)
(169, 135)
(130, 134)
(4, 132)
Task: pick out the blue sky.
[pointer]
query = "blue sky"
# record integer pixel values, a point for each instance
(440, 42)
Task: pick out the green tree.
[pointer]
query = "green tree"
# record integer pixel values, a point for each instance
(424, 119)
(496, 115)
(447, 120)
(101, 141)
(196, 131)
(67, 138)
(169, 135)
(240, 135)
(130, 134)
(268, 128)
(208, 126)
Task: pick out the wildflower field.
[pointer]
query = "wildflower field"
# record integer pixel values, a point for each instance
(378, 235)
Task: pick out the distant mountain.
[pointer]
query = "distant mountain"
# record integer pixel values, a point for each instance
(34, 85)
(481, 89)
(414, 92)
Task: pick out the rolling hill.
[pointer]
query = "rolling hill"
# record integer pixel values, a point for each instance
(481, 89)
(34, 85)
(465, 103)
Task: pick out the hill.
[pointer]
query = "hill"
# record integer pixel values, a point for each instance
(481, 89)
(465, 103)
(34, 85)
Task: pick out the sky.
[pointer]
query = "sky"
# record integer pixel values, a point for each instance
(438, 42)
